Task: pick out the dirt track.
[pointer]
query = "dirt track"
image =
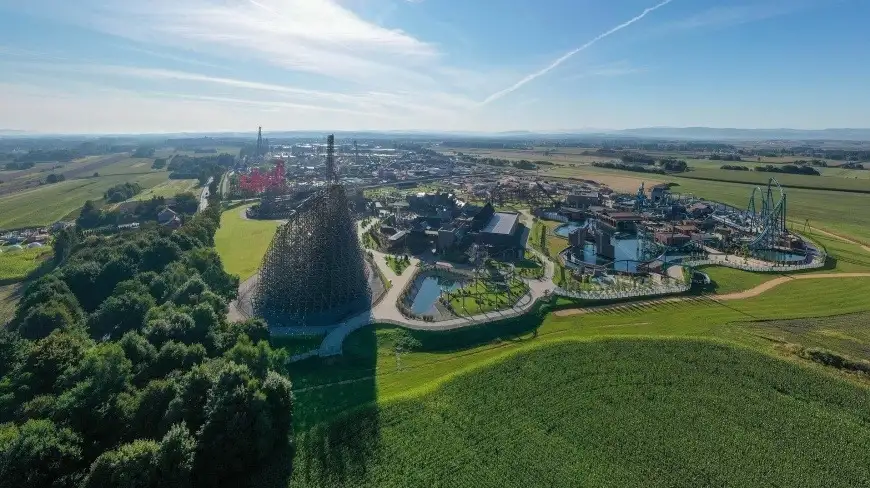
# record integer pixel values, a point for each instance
(754, 292)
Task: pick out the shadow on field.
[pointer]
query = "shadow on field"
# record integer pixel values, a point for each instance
(336, 421)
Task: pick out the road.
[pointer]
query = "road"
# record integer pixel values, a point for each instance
(203, 198)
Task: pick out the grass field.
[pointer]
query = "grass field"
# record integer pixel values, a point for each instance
(597, 414)
(728, 280)
(167, 190)
(242, 243)
(16, 265)
(398, 264)
(8, 301)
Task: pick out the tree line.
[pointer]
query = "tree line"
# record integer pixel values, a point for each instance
(789, 169)
(201, 168)
(119, 368)
(122, 192)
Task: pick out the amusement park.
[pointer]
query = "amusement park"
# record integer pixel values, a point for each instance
(481, 248)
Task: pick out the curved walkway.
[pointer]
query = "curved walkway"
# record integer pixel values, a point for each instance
(754, 292)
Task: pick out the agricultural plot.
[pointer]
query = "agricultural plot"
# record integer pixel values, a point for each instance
(242, 243)
(17, 265)
(845, 334)
(604, 413)
(49, 203)
(786, 180)
(167, 189)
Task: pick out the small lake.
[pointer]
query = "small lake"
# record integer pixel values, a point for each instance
(777, 256)
(565, 229)
(429, 291)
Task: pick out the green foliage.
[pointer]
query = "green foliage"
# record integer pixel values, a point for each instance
(39, 453)
(145, 394)
(159, 163)
(54, 178)
(122, 192)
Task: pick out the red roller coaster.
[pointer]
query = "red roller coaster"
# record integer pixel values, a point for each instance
(258, 182)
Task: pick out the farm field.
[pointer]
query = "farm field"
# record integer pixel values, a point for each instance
(167, 190)
(16, 265)
(242, 243)
(845, 334)
(390, 399)
(596, 413)
(49, 203)
(787, 180)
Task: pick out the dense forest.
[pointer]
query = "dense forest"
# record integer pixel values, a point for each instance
(120, 369)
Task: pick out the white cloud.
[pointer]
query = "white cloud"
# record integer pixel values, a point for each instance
(313, 36)
(555, 64)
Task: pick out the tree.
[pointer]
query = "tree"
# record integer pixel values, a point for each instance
(45, 318)
(90, 215)
(132, 465)
(187, 203)
(238, 432)
(54, 178)
(39, 453)
(159, 163)
(120, 314)
(48, 359)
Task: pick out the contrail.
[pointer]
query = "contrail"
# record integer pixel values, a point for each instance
(556, 63)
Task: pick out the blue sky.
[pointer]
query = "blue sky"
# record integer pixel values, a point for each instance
(118, 66)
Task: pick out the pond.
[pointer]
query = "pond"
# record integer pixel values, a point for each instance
(778, 256)
(565, 229)
(429, 290)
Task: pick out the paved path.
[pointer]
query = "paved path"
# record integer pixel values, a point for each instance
(754, 292)
(387, 310)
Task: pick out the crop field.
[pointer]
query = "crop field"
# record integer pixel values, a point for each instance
(49, 203)
(845, 334)
(16, 265)
(596, 413)
(242, 243)
(167, 189)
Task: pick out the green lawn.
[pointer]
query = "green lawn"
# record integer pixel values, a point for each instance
(242, 243)
(398, 264)
(484, 296)
(16, 265)
(605, 413)
(728, 280)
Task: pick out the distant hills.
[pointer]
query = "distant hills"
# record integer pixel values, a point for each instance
(668, 133)
(708, 133)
